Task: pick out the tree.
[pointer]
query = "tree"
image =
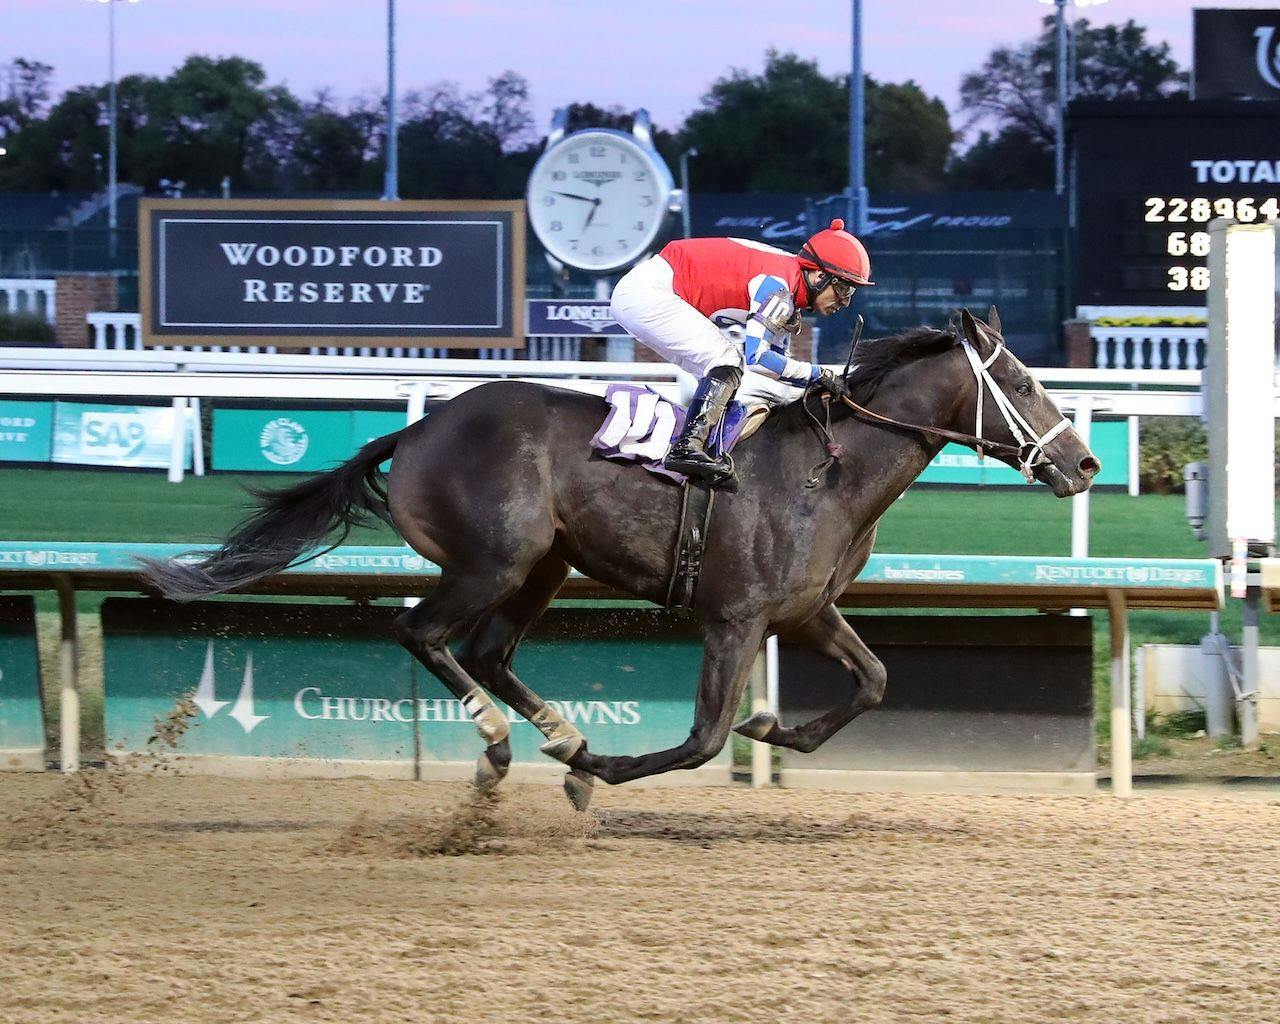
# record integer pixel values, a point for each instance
(787, 130)
(332, 150)
(1016, 90)
(1011, 160)
(28, 94)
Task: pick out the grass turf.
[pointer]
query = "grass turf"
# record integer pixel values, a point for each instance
(108, 505)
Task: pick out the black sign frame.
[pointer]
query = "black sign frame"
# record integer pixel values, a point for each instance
(480, 308)
(1147, 177)
(1237, 53)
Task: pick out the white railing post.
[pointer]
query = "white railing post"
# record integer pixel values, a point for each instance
(1080, 502)
(178, 442)
(1134, 453)
(196, 432)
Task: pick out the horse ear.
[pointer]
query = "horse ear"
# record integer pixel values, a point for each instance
(993, 321)
(976, 336)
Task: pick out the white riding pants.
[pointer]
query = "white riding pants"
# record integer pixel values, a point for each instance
(645, 303)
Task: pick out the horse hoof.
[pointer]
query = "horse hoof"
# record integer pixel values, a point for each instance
(758, 726)
(579, 787)
(489, 772)
(563, 748)
(492, 725)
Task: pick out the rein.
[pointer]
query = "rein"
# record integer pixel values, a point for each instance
(1029, 451)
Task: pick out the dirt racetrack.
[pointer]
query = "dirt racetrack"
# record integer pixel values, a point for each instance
(203, 900)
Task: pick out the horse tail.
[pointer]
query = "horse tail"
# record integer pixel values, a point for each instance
(287, 524)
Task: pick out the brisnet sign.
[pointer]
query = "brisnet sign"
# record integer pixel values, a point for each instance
(287, 272)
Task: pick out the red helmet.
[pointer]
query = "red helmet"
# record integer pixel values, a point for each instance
(838, 253)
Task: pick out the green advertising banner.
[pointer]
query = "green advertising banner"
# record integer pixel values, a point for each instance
(137, 436)
(294, 440)
(26, 431)
(368, 424)
(322, 683)
(21, 712)
(956, 464)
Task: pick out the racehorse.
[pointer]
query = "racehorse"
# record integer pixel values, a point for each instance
(501, 490)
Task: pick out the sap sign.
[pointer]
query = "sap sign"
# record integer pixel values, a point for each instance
(112, 435)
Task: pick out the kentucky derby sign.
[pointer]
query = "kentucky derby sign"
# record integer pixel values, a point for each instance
(287, 272)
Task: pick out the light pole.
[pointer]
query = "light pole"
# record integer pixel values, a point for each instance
(392, 188)
(692, 151)
(857, 131)
(111, 117)
(1060, 52)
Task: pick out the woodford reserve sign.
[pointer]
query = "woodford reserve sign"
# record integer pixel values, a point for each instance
(314, 272)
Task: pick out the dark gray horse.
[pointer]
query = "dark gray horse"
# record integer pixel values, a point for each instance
(500, 489)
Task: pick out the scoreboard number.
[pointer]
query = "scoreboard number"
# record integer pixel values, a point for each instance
(1181, 244)
(1201, 210)
(1182, 278)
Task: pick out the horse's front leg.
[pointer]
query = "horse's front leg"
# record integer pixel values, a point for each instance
(729, 649)
(829, 635)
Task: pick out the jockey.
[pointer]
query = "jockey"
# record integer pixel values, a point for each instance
(676, 302)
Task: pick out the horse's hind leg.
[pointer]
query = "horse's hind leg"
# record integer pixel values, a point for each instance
(729, 650)
(829, 635)
(486, 655)
(457, 602)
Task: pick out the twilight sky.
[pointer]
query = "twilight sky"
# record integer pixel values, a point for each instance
(656, 53)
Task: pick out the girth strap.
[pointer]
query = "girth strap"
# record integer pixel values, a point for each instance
(691, 539)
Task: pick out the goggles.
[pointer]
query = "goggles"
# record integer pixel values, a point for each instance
(844, 289)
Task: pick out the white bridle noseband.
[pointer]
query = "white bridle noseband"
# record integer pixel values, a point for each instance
(1030, 445)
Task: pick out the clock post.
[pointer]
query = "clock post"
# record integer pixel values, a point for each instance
(599, 201)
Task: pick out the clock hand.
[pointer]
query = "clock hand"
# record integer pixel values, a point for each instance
(595, 205)
(571, 195)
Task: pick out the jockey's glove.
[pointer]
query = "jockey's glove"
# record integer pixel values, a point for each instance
(832, 384)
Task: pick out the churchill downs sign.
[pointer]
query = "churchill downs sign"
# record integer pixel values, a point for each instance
(286, 272)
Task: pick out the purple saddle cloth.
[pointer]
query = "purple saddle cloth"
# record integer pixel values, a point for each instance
(641, 423)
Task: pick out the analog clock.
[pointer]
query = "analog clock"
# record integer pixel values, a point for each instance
(598, 198)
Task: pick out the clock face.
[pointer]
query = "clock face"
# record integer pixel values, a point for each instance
(597, 199)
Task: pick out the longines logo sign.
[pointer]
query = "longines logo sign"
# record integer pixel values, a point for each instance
(1237, 54)
(286, 272)
(556, 317)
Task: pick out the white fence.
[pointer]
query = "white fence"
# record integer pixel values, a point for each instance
(1149, 348)
(122, 332)
(29, 295)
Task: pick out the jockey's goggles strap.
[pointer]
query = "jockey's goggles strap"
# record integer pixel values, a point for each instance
(1030, 445)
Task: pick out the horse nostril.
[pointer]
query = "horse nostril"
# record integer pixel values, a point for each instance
(1089, 466)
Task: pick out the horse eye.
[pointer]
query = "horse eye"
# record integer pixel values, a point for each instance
(1024, 388)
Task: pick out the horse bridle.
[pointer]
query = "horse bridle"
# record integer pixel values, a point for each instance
(1029, 451)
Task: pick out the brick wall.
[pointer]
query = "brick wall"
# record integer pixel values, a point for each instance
(78, 296)
(1078, 341)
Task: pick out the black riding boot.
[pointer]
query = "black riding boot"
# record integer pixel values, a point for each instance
(688, 453)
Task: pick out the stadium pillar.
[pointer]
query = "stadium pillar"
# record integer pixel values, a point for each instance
(69, 704)
(1121, 749)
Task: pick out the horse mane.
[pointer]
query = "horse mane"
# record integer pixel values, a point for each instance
(874, 358)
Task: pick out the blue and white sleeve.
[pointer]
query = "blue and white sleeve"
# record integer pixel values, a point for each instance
(767, 343)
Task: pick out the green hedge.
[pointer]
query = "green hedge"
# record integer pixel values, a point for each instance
(1149, 321)
(26, 327)
(1166, 444)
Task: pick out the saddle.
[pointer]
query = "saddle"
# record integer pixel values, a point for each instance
(639, 428)
(641, 423)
